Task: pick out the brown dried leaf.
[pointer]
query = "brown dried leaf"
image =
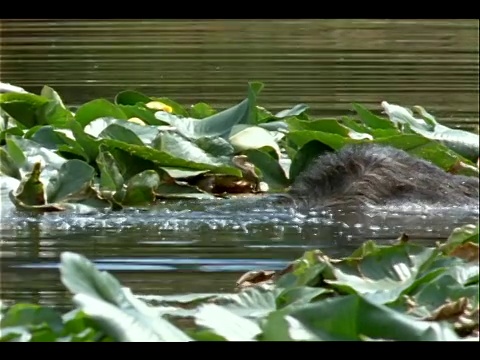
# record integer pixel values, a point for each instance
(252, 278)
(460, 167)
(450, 310)
(468, 251)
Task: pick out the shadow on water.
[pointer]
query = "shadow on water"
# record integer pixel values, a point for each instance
(195, 246)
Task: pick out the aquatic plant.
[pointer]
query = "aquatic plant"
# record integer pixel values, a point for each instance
(138, 148)
(403, 291)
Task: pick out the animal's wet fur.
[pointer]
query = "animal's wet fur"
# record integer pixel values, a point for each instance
(370, 174)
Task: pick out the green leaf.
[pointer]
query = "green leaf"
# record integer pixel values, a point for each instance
(29, 316)
(383, 275)
(226, 324)
(218, 124)
(272, 172)
(31, 190)
(422, 147)
(295, 111)
(352, 317)
(462, 142)
(97, 109)
(176, 145)
(88, 143)
(177, 109)
(140, 189)
(119, 314)
(461, 235)
(56, 140)
(304, 157)
(10, 131)
(131, 97)
(73, 179)
(162, 158)
(299, 295)
(201, 111)
(54, 112)
(110, 177)
(27, 153)
(8, 166)
(254, 88)
(144, 114)
(372, 120)
(334, 141)
(15, 152)
(218, 146)
(23, 107)
(121, 133)
(254, 302)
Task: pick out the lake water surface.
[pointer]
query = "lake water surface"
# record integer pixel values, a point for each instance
(205, 246)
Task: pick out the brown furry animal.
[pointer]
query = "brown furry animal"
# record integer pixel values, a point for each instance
(369, 174)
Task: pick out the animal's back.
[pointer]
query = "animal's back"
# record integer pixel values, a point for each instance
(380, 175)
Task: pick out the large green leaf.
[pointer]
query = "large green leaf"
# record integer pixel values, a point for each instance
(162, 158)
(177, 109)
(353, 317)
(334, 141)
(179, 146)
(371, 120)
(72, 182)
(28, 322)
(427, 149)
(126, 131)
(54, 112)
(218, 147)
(8, 166)
(227, 324)
(98, 109)
(88, 143)
(57, 140)
(110, 177)
(218, 124)
(140, 189)
(23, 107)
(131, 97)
(383, 275)
(272, 172)
(463, 142)
(25, 153)
(121, 133)
(294, 111)
(251, 303)
(142, 113)
(201, 111)
(120, 314)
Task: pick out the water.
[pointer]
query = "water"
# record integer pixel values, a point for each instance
(205, 246)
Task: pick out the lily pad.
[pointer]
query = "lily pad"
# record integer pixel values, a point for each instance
(96, 109)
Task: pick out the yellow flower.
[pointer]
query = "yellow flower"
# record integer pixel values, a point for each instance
(136, 121)
(157, 105)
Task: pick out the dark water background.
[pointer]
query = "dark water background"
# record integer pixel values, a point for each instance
(204, 247)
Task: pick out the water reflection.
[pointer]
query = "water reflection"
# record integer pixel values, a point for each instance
(158, 249)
